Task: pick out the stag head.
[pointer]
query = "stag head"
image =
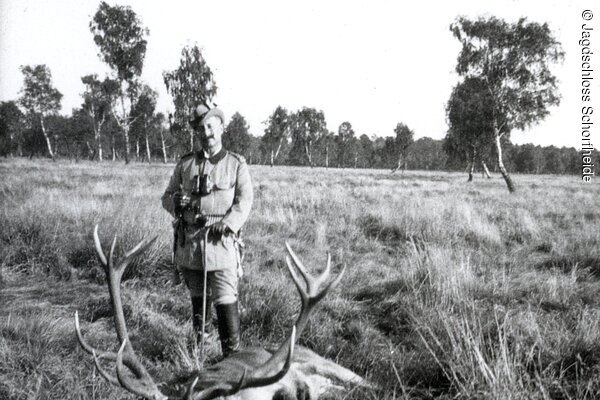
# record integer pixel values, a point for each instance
(252, 373)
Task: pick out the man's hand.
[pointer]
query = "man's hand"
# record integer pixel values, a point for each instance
(219, 229)
(181, 201)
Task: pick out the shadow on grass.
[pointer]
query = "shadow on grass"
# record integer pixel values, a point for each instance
(589, 265)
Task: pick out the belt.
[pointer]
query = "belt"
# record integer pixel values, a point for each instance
(206, 220)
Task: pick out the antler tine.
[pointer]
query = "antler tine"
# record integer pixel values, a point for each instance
(315, 292)
(137, 250)
(131, 362)
(299, 265)
(89, 349)
(86, 346)
(218, 390)
(103, 372)
(134, 387)
(111, 260)
(261, 376)
(258, 377)
(301, 289)
(98, 246)
(327, 272)
(316, 289)
(330, 285)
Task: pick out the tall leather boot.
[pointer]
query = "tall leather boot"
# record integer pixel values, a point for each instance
(228, 318)
(197, 317)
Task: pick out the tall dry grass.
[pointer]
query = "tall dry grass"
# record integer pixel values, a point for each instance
(453, 290)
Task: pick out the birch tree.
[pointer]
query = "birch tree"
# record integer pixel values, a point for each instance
(97, 100)
(121, 39)
(276, 133)
(513, 61)
(40, 98)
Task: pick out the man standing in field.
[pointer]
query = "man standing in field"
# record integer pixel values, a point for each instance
(210, 195)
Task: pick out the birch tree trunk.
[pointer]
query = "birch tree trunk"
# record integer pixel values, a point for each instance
(164, 147)
(98, 136)
(503, 171)
(91, 152)
(48, 142)
(112, 147)
(485, 169)
(308, 154)
(125, 126)
(472, 166)
(147, 146)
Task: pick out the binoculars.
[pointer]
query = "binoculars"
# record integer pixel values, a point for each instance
(203, 185)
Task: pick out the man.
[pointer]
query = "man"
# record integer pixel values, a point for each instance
(210, 190)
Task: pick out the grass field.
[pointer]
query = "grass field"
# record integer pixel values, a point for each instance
(453, 289)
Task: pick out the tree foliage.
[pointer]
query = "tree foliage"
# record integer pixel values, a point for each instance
(276, 133)
(345, 145)
(98, 95)
(12, 124)
(236, 136)
(514, 62)
(38, 96)
(404, 139)
(144, 107)
(143, 113)
(402, 142)
(470, 136)
(190, 85)
(306, 126)
(98, 98)
(121, 39)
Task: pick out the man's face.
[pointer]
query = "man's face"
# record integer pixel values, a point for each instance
(211, 132)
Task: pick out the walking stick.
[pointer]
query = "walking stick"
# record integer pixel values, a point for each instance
(204, 294)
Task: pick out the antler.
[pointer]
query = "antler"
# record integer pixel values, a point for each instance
(144, 385)
(246, 380)
(311, 292)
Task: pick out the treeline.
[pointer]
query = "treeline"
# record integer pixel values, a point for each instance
(285, 141)
(118, 120)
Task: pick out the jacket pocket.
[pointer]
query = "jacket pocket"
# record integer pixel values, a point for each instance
(224, 183)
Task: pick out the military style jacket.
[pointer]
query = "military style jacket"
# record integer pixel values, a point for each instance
(229, 199)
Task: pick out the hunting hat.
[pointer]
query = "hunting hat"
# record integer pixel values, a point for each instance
(202, 112)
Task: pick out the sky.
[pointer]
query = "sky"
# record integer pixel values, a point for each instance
(372, 63)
